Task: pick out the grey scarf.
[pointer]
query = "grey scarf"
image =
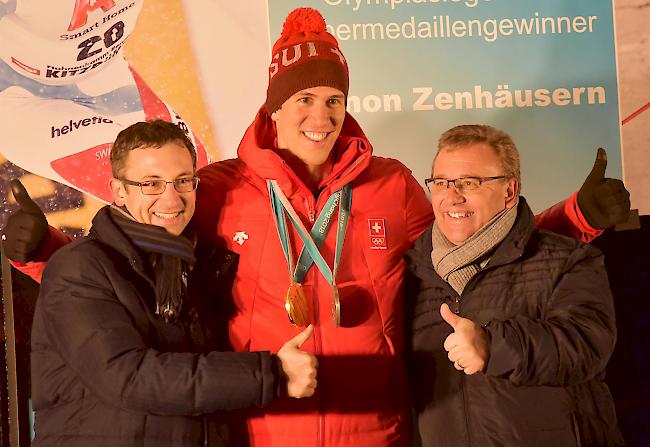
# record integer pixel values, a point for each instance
(457, 264)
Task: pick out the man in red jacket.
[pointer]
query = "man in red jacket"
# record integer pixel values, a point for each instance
(304, 190)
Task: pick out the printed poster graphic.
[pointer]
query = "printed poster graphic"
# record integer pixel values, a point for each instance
(545, 72)
(66, 91)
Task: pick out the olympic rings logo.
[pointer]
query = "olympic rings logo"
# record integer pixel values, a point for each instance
(378, 240)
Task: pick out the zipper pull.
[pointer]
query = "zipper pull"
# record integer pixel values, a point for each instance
(311, 214)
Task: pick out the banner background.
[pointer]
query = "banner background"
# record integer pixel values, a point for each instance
(557, 142)
(214, 74)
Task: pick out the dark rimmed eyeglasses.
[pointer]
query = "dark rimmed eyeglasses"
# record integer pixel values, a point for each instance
(155, 187)
(437, 184)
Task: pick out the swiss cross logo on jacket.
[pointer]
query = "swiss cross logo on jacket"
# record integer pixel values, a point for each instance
(377, 234)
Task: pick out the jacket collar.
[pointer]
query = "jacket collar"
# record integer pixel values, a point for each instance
(514, 244)
(107, 232)
(210, 258)
(352, 153)
(418, 259)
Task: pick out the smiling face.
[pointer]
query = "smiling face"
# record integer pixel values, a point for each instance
(171, 210)
(309, 123)
(459, 214)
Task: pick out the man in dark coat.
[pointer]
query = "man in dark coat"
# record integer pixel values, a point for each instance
(126, 328)
(512, 326)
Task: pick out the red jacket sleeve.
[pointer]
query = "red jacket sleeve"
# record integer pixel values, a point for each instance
(566, 218)
(54, 240)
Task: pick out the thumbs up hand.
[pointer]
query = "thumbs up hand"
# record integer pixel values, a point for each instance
(467, 346)
(298, 367)
(26, 228)
(603, 201)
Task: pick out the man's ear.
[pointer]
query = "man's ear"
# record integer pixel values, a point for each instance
(512, 192)
(274, 116)
(118, 190)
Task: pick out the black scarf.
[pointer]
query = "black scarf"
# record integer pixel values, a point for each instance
(172, 257)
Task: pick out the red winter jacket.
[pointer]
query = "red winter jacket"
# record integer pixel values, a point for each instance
(361, 397)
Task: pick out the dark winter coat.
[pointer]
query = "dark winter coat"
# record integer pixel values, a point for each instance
(545, 303)
(106, 371)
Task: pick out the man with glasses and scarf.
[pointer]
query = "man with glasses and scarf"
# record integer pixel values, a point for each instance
(511, 326)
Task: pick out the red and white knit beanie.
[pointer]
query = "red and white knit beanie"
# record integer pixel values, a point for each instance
(304, 56)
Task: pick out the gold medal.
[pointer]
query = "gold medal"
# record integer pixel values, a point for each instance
(297, 305)
(336, 306)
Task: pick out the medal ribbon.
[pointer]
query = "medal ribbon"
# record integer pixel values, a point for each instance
(314, 239)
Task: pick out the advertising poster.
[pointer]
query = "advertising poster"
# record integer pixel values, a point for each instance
(67, 88)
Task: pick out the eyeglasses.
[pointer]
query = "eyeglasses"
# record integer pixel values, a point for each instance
(436, 184)
(155, 187)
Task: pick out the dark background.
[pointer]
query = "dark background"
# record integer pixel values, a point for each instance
(627, 258)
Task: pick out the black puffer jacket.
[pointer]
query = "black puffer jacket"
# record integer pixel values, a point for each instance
(107, 372)
(545, 303)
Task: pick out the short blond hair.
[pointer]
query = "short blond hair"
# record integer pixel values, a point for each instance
(502, 144)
